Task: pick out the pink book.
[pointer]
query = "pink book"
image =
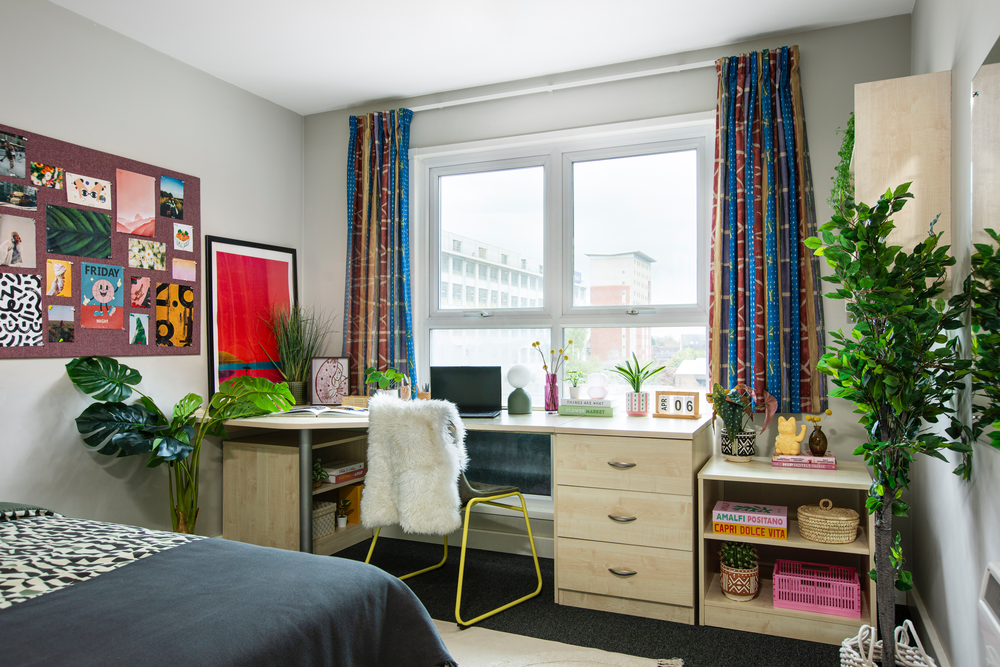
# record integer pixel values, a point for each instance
(809, 466)
(806, 458)
(750, 514)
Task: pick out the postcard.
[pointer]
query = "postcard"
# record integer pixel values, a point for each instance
(61, 324)
(17, 241)
(136, 203)
(45, 176)
(144, 254)
(58, 277)
(185, 269)
(21, 197)
(138, 328)
(182, 237)
(141, 293)
(102, 288)
(12, 154)
(88, 191)
(171, 197)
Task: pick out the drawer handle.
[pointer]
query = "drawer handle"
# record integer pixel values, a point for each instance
(622, 573)
(620, 465)
(621, 519)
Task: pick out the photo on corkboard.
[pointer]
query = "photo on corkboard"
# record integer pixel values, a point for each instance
(20, 310)
(58, 277)
(80, 232)
(102, 296)
(138, 326)
(171, 197)
(182, 237)
(21, 197)
(136, 203)
(144, 254)
(141, 292)
(246, 281)
(184, 269)
(62, 324)
(88, 191)
(17, 241)
(12, 154)
(46, 176)
(174, 315)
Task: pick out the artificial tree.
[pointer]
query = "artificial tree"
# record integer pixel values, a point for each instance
(899, 366)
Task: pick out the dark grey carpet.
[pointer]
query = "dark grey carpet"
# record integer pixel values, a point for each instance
(494, 578)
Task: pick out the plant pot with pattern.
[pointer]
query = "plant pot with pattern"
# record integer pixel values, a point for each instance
(637, 400)
(299, 335)
(739, 575)
(737, 407)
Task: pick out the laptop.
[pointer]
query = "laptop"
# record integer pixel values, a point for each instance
(475, 390)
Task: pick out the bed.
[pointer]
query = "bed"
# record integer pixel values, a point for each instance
(86, 593)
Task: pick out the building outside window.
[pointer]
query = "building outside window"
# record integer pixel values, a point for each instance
(456, 246)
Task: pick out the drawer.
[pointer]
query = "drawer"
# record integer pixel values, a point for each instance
(661, 520)
(661, 575)
(656, 465)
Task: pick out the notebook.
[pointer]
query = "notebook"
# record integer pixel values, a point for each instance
(475, 390)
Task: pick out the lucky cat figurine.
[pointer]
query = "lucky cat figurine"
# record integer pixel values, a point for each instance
(787, 442)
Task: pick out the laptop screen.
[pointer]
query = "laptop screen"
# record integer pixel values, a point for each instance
(474, 389)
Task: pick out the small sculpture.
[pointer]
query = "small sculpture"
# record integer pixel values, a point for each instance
(519, 401)
(787, 442)
(597, 385)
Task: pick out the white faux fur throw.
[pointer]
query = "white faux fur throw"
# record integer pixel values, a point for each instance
(414, 460)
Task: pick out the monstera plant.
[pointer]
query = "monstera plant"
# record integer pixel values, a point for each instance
(116, 428)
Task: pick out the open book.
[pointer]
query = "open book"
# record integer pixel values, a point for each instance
(323, 411)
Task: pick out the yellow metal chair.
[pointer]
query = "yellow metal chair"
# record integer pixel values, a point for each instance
(471, 495)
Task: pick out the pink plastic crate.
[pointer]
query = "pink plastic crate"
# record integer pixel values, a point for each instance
(825, 589)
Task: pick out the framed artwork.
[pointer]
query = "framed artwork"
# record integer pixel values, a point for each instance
(329, 380)
(246, 281)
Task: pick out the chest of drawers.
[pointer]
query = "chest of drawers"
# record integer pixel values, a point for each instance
(626, 539)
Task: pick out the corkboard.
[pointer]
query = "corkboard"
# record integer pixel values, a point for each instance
(17, 282)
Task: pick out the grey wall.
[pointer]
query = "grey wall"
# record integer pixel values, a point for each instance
(833, 60)
(70, 79)
(955, 522)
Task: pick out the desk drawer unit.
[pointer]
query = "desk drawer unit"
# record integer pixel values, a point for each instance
(624, 522)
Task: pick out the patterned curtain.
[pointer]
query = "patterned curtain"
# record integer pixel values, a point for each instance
(378, 321)
(765, 309)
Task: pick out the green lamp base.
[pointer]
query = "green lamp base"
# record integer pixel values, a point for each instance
(519, 402)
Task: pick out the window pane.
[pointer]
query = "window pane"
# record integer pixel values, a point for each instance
(680, 349)
(497, 217)
(493, 347)
(635, 230)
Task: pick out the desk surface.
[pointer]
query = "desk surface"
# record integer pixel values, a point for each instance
(536, 422)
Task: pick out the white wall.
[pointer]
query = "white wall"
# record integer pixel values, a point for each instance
(70, 79)
(955, 522)
(833, 60)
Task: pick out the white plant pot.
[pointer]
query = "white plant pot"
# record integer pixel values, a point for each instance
(574, 392)
(388, 392)
(341, 522)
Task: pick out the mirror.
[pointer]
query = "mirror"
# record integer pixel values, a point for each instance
(986, 147)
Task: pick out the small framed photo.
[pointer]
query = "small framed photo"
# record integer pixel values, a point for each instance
(677, 405)
(329, 380)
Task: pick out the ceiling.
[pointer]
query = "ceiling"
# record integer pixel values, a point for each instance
(315, 55)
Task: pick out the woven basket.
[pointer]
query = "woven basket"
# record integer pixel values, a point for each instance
(324, 518)
(828, 524)
(860, 651)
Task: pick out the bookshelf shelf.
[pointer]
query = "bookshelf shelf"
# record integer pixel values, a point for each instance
(795, 540)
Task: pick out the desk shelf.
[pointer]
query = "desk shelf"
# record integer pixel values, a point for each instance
(341, 539)
(758, 481)
(324, 487)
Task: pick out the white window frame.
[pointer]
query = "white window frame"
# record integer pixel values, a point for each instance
(555, 152)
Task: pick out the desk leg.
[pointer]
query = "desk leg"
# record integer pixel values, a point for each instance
(305, 491)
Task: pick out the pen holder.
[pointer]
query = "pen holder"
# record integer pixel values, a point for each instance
(424, 395)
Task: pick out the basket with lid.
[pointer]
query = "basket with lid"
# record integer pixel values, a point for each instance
(828, 524)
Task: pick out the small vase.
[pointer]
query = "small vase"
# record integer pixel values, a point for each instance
(574, 392)
(739, 585)
(551, 393)
(637, 403)
(741, 451)
(298, 391)
(817, 441)
(341, 522)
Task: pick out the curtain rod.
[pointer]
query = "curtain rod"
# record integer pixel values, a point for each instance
(560, 86)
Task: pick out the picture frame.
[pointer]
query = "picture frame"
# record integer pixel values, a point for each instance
(246, 281)
(330, 379)
(677, 405)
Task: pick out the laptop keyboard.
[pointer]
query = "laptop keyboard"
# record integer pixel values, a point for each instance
(474, 415)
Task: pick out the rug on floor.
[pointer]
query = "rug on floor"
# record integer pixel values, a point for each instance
(584, 658)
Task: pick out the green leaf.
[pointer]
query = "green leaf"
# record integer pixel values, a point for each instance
(116, 427)
(71, 231)
(187, 406)
(103, 377)
(171, 449)
(813, 242)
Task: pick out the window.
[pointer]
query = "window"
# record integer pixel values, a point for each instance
(492, 347)
(456, 266)
(456, 294)
(456, 245)
(470, 295)
(620, 218)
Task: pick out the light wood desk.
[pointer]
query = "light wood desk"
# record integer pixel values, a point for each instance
(640, 470)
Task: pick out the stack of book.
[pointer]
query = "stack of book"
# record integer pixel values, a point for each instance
(805, 460)
(750, 520)
(344, 471)
(586, 407)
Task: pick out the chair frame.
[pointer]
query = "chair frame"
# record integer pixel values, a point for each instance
(487, 500)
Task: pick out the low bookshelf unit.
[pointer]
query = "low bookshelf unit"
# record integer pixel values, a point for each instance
(759, 482)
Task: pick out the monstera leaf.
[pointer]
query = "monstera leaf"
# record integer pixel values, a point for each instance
(103, 377)
(246, 396)
(116, 428)
(73, 231)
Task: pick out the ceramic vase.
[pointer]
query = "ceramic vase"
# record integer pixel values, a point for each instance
(817, 441)
(298, 391)
(741, 451)
(637, 403)
(551, 393)
(739, 585)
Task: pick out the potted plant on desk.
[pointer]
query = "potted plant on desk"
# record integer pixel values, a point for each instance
(299, 335)
(737, 407)
(389, 381)
(637, 400)
(574, 378)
